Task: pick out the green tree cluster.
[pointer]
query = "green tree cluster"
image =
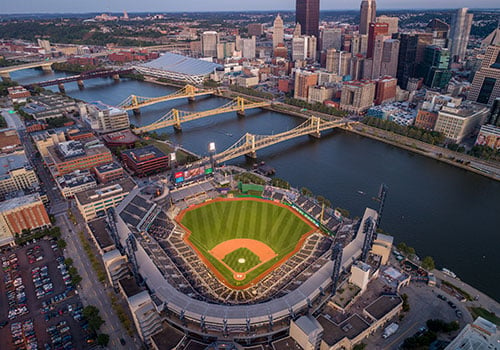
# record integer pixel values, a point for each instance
(91, 314)
(440, 326)
(251, 92)
(431, 137)
(428, 263)
(420, 341)
(405, 249)
(318, 107)
(249, 178)
(485, 152)
(277, 182)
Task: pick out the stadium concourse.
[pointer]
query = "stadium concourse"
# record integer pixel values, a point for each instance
(186, 293)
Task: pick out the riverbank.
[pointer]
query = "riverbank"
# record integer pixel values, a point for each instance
(463, 161)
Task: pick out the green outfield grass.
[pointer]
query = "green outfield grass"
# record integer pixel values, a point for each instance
(217, 222)
(233, 260)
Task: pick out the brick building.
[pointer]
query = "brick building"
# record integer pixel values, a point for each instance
(146, 160)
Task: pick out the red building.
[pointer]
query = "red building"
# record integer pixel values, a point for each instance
(145, 161)
(108, 172)
(426, 119)
(23, 213)
(375, 30)
(385, 90)
(123, 138)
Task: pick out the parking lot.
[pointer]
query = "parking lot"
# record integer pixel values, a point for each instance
(42, 310)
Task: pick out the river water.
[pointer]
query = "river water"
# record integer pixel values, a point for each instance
(440, 210)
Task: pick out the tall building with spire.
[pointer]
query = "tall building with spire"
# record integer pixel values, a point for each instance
(278, 32)
(307, 14)
(460, 30)
(368, 14)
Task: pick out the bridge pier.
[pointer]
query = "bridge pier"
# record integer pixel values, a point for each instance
(136, 111)
(5, 76)
(241, 113)
(191, 99)
(251, 155)
(315, 135)
(47, 68)
(62, 89)
(80, 84)
(116, 77)
(177, 128)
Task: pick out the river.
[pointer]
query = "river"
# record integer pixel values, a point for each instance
(440, 210)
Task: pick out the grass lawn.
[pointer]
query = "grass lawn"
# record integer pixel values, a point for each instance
(241, 260)
(271, 224)
(490, 316)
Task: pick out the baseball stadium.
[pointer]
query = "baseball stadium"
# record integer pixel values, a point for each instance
(229, 265)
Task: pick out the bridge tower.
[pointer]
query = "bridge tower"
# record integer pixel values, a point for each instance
(190, 90)
(177, 119)
(250, 141)
(241, 106)
(135, 102)
(316, 123)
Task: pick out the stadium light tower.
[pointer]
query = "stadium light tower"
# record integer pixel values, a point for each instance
(211, 151)
(173, 160)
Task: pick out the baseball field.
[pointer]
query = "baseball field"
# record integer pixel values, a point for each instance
(243, 239)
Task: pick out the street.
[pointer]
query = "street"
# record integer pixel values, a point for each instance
(92, 292)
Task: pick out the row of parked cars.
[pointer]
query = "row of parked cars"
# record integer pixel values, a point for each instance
(60, 337)
(14, 287)
(23, 335)
(42, 282)
(34, 254)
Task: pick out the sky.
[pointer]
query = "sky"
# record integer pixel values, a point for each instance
(78, 6)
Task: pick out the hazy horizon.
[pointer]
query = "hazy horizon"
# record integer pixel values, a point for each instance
(92, 6)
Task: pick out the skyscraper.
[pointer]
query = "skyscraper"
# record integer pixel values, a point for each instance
(459, 36)
(368, 14)
(307, 14)
(278, 31)
(209, 41)
(375, 29)
(393, 23)
(411, 53)
(486, 84)
(434, 67)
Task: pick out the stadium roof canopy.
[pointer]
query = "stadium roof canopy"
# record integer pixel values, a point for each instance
(178, 67)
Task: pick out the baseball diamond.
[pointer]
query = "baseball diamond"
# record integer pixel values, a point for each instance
(242, 239)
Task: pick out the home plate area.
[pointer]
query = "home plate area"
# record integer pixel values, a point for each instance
(241, 256)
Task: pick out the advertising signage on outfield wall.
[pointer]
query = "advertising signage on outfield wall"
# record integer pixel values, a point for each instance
(192, 174)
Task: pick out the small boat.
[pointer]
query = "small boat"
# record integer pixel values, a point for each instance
(361, 192)
(449, 273)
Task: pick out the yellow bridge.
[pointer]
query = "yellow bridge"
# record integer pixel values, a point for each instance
(134, 102)
(249, 144)
(176, 117)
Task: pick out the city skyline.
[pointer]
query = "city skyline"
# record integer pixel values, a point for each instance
(59, 6)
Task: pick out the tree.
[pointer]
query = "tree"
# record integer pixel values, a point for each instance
(91, 314)
(428, 263)
(103, 339)
(61, 243)
(406, 305)
(360, 346)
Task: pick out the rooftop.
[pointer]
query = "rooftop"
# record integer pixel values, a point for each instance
(181, 64)
(383, 305)
(125, 185)
(101, 106)
(129, 286)
(287, 343)
(76, 178)
(349, 328)
(144, 154)
(125, 136)
(101, 235)
(11, 162)
(168, 338)
(106, 168)
(13, 203)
